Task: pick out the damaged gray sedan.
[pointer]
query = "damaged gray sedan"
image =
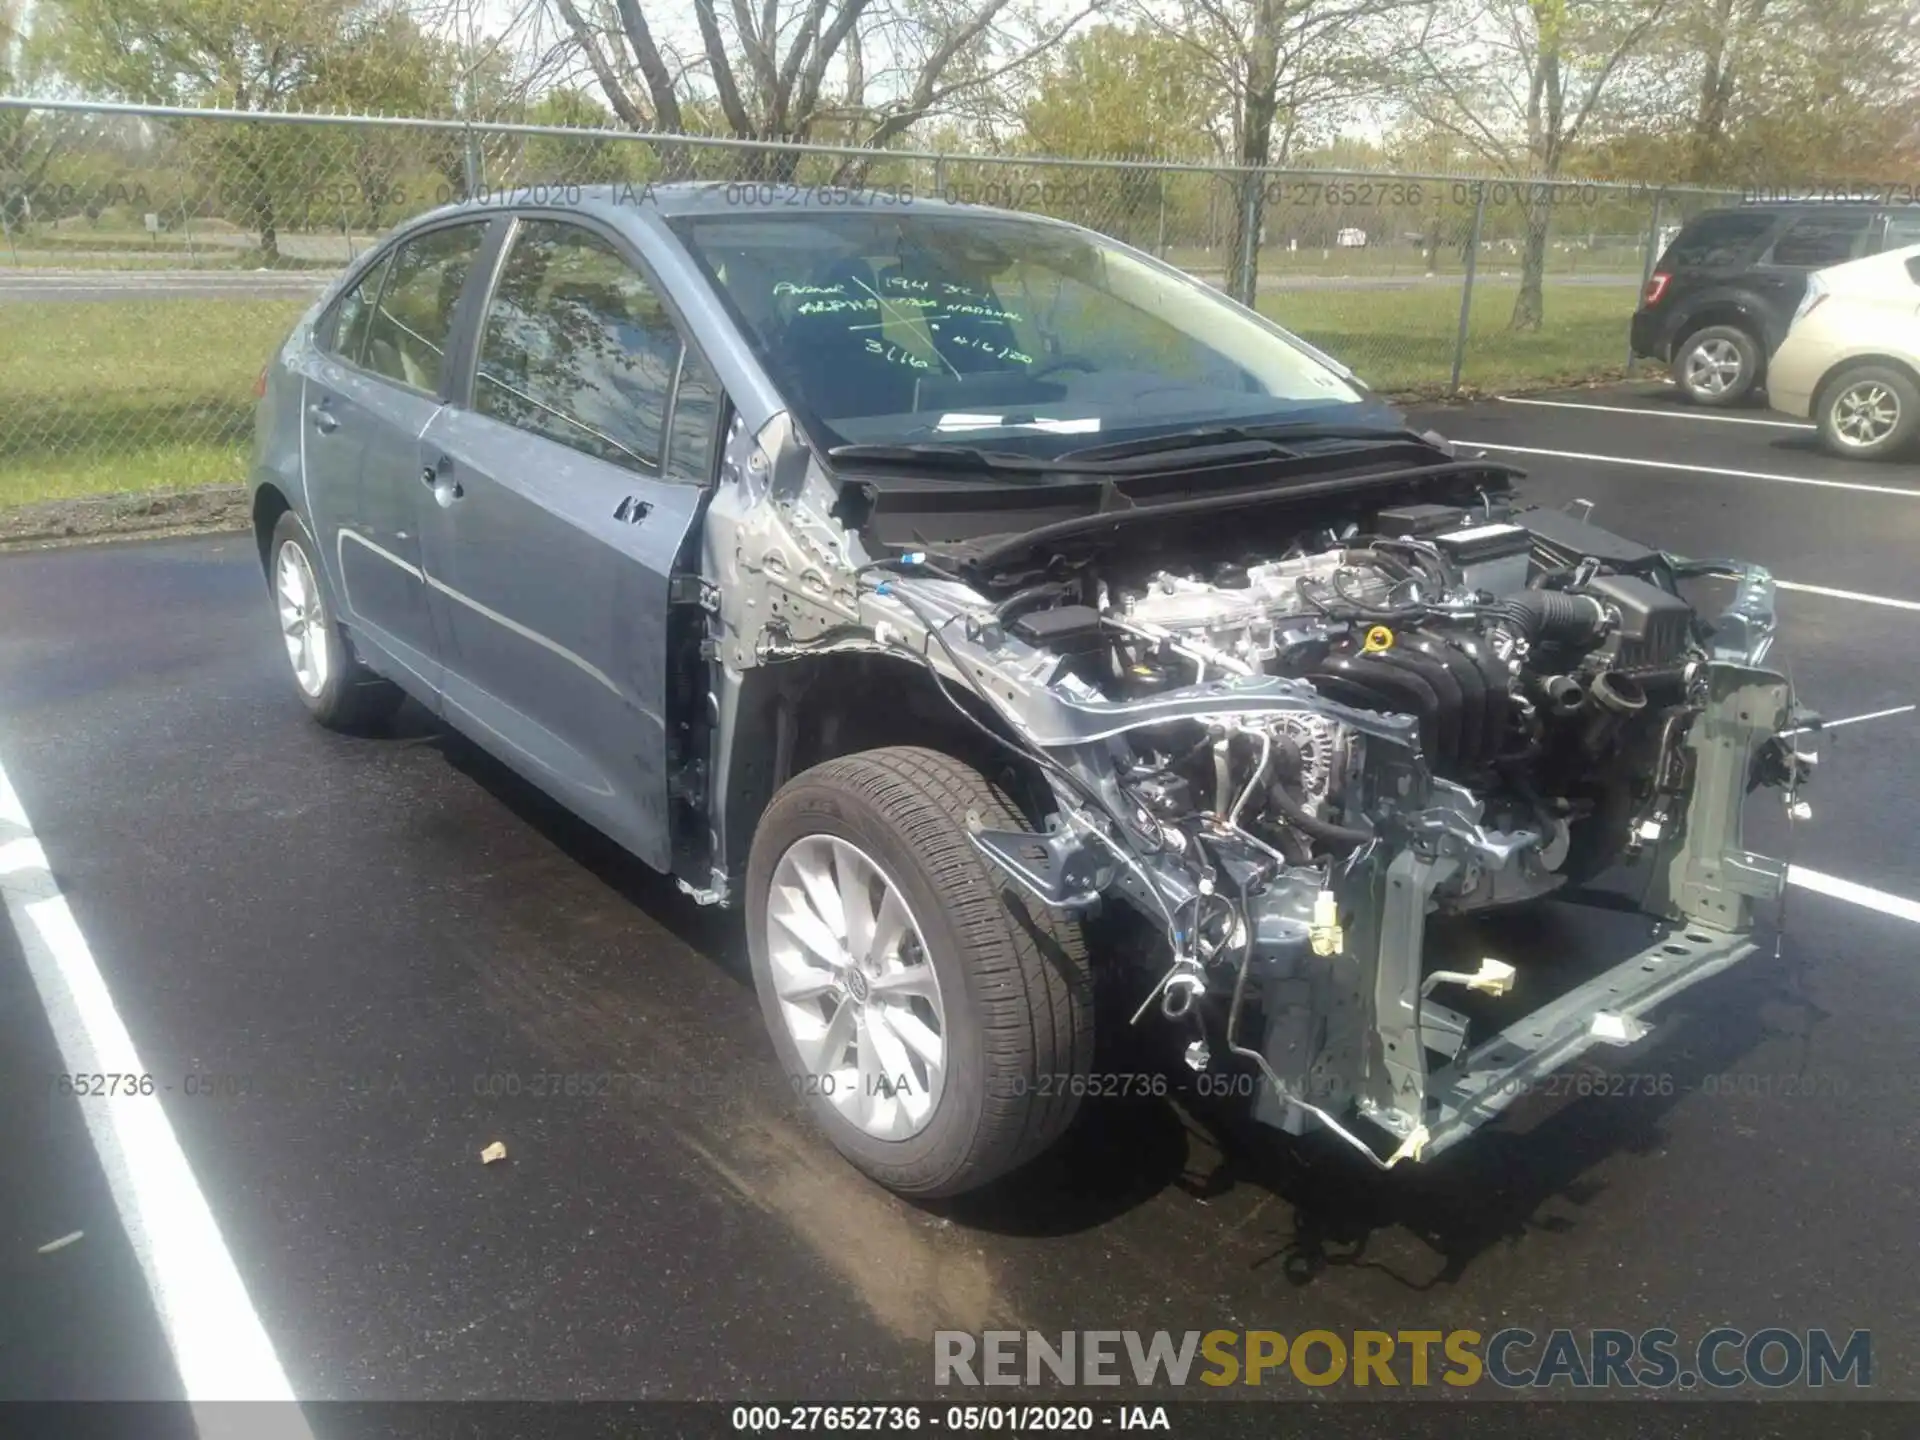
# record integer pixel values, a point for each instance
(1018, 631)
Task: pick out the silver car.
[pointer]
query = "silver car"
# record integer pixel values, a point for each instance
(1003, 620)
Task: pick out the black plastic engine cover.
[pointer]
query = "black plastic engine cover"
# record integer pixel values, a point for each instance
(1419, 519)
(1560, 540)
(1065, 629)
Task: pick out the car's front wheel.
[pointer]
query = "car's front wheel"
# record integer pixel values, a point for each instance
(341, 693)
(938, 1025)
(1868, 412)
(1718, 365)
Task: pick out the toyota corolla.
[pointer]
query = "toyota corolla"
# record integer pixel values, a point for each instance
(997, 615)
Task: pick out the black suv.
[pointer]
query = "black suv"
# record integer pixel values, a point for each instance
(1721, 298)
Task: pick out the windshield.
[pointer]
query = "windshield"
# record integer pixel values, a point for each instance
(938, 326)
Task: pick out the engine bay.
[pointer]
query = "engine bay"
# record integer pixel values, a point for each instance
(1538, 680)
(1284, 719)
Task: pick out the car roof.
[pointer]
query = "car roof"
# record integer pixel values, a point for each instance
(716, 197)
(681, 199)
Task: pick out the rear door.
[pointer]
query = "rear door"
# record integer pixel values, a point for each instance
(385, 402)
(333, 421)
(1812, 240)
(567, 482)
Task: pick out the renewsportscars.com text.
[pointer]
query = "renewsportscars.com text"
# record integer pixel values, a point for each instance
(1655, 1359)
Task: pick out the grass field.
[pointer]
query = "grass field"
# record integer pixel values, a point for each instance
(1406, 261)
(103, 396)
(98, 396)
(1402, 340)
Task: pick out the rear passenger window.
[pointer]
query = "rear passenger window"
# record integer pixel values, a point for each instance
(1815, 241)
(1726, 238)
(353, 312)
(578, 348)
(1903, 229)
(407, 334)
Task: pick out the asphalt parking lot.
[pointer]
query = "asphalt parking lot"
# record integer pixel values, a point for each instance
(349, 945)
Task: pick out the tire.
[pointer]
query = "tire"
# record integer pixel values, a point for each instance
(1717, 365)
(1014, 993)
(338, 691)
(1868, 412)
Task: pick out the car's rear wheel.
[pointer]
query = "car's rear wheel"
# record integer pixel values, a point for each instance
(337, 689)
(1868, 411)
(938, 1025)
(1718, 365)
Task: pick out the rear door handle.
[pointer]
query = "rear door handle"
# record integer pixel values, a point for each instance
(632, 510)
(324, 420)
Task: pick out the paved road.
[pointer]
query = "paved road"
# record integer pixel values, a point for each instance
(372, 935)
(25, 285)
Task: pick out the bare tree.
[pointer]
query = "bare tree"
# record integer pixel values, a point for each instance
(857, 71)
(1726, 32)
(1282, 66)
(1521, 83)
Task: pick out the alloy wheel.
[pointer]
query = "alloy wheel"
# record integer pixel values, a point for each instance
(1865, 413)
(303, 619)
(1713, 367)
(856, 987)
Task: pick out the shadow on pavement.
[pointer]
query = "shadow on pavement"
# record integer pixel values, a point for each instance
(1122, 1152)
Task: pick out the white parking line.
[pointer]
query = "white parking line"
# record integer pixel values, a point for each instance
(1673, 414)
(1856, 595)
(1693, 469)
(219, 1346)
(1896, 905)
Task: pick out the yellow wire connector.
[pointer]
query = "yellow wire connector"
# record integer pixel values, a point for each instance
(1378, 638)
(1324, 931)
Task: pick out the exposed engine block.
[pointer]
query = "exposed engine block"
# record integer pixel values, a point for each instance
(1248, 621)
(1447, 630)
(1525, 682)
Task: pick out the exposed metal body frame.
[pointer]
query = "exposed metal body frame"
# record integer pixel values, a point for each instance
(1350, 1029)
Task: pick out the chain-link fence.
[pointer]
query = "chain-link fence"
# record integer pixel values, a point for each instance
(151, 259)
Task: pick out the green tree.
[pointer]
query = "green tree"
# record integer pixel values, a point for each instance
(28, 142)
(1776, 91)
(1122, 91)
(255, 55)
(385, 63)
(24, 156)
(582, 159)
